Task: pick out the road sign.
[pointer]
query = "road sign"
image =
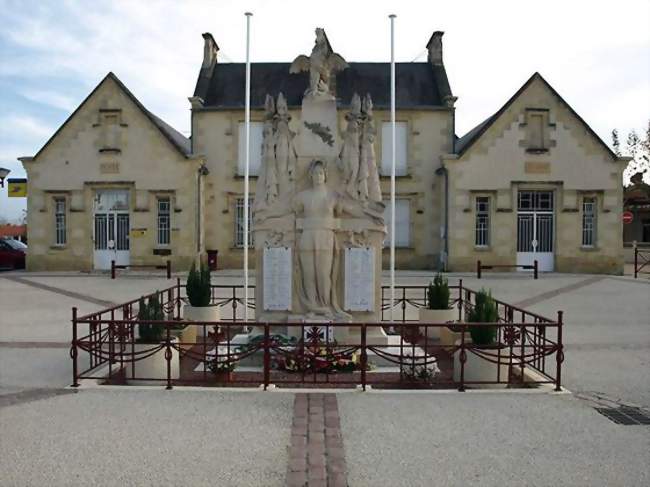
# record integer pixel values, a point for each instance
(628, 216)
(17, 188)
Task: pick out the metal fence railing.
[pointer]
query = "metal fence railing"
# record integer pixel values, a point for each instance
(105, 346)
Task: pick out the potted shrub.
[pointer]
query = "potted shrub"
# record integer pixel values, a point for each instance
(199, 308)
(437, 309)
(477, 368)
(151, 335)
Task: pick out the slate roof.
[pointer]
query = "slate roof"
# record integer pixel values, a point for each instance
(418, 85)
(179, 141)
(466, 141)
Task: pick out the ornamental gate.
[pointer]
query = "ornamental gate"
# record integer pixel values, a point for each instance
(535, 224)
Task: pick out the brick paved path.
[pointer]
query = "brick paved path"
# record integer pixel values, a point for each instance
(316, 456)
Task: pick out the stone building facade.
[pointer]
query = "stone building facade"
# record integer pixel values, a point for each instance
(531, 182)
(113, 183)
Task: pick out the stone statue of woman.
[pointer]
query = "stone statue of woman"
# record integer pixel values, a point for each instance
(316, 209)
(316, 247)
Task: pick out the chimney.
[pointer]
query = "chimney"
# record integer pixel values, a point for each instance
(435, 48)
(210, 50)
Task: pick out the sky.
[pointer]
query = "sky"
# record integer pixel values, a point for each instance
(596, 54)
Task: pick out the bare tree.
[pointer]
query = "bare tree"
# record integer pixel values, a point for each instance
(639, 149)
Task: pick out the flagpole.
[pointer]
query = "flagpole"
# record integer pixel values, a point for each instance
(247, 118)
(392, 167)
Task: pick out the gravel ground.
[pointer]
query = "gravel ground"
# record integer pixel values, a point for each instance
(488, 440)
(607, 339)
(22, 368)
(138, 438)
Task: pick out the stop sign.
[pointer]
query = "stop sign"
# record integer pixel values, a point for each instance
(627, 217)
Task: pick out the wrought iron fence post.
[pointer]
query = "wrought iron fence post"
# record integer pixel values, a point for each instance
(111, 344)
(364, 357)
(168, 357)
(559, 355)
(169, 269)
(535, 268)
(636, 259)
(112, 269)
(478, 269)
(522, 364)
(267, 356)
(463, 358)
(73, 349)
(178, 298)
(460, 300)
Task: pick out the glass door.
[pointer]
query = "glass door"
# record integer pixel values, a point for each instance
(535, 229)
(111, 228)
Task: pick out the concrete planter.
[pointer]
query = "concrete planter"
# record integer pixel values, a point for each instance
(448, 337)
(200, 314)
(186, 336)
(479, 370)
(154, 366)
(436, 316)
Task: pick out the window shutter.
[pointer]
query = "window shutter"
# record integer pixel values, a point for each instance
(400, 148)
(402, 223)
(255, 157)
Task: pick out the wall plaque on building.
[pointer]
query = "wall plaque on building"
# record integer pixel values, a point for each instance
(277, 278)
(109, 167)
(359, 279)
(537, 167)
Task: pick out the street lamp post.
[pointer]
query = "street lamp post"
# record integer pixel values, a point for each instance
(3, 174)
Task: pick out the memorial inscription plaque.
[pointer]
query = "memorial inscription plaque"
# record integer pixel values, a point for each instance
(359, 279)
(277, 278)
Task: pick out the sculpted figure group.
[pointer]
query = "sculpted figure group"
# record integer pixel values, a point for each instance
(357, 158)
(275, 181)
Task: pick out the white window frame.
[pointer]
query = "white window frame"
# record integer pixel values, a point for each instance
(402, 225)
(589, 221)
(255, 156)
(60, 223)
(164, 221)
(401, 152)
(482, 222)
(239, 223)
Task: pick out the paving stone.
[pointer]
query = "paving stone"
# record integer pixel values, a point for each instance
(332, 432)
(316, 472)
(297, 421)
(315, 450)
(332, 422)
(297, 464)
(296, 479)
(318, 437)
(298, 440)
(337, 480)
(336, 466)
(297, 453)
